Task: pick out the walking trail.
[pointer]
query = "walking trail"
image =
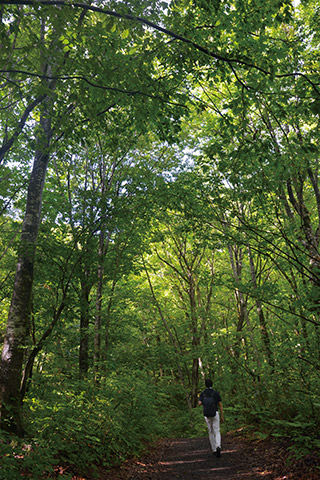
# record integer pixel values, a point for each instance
(192, 459)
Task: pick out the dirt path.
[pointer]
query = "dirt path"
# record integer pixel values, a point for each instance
(192, 459)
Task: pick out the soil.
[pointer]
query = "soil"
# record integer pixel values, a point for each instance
(241, 459)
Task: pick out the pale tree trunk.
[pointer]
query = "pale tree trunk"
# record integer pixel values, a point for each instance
(19, 313)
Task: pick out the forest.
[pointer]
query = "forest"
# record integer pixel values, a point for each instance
(160, 224)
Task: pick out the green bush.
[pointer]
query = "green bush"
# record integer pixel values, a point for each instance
(79, 425)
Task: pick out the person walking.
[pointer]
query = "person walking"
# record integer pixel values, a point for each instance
(210, 400)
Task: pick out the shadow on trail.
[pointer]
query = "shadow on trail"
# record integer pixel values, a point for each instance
(192, 459)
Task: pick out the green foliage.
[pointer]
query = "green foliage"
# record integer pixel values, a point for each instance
(197, 160)
(80, 425)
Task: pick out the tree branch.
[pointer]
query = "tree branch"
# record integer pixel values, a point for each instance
(168, 32)
(7, 145)
(89, 82)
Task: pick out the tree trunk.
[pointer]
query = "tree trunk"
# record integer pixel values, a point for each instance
(236, 256)
(103, 247)
(195, 341)
(175, 344)
(97, 324)
(262, 322)
(27, 373)
(19, 313)
(84, 325)
(108, 318)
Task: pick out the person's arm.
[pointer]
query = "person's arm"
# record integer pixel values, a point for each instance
(221, 412)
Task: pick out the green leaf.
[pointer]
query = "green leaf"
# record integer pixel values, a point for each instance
(125, 34)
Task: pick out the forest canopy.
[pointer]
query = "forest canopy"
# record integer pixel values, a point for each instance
(160, 222)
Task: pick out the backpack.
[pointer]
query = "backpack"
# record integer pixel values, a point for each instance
(209, 404)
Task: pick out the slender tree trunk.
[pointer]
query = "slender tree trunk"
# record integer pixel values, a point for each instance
(262, 322)
(103, 247)
(19, 313)
(188, 281)
(176, 346)
(97, 325)
(195, 382)
(240, 302)
(84, 325)
(195, 341)
(108, 317)
(236, 257)
(9, 142)
(206, 311)
(27, 372)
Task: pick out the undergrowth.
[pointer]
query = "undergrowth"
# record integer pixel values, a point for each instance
(76, 427)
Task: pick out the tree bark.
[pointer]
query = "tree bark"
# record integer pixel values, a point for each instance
(19, 313)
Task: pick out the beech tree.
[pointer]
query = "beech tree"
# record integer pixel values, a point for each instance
(62, 50)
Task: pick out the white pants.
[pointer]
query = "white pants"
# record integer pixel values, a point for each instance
(213, 424)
